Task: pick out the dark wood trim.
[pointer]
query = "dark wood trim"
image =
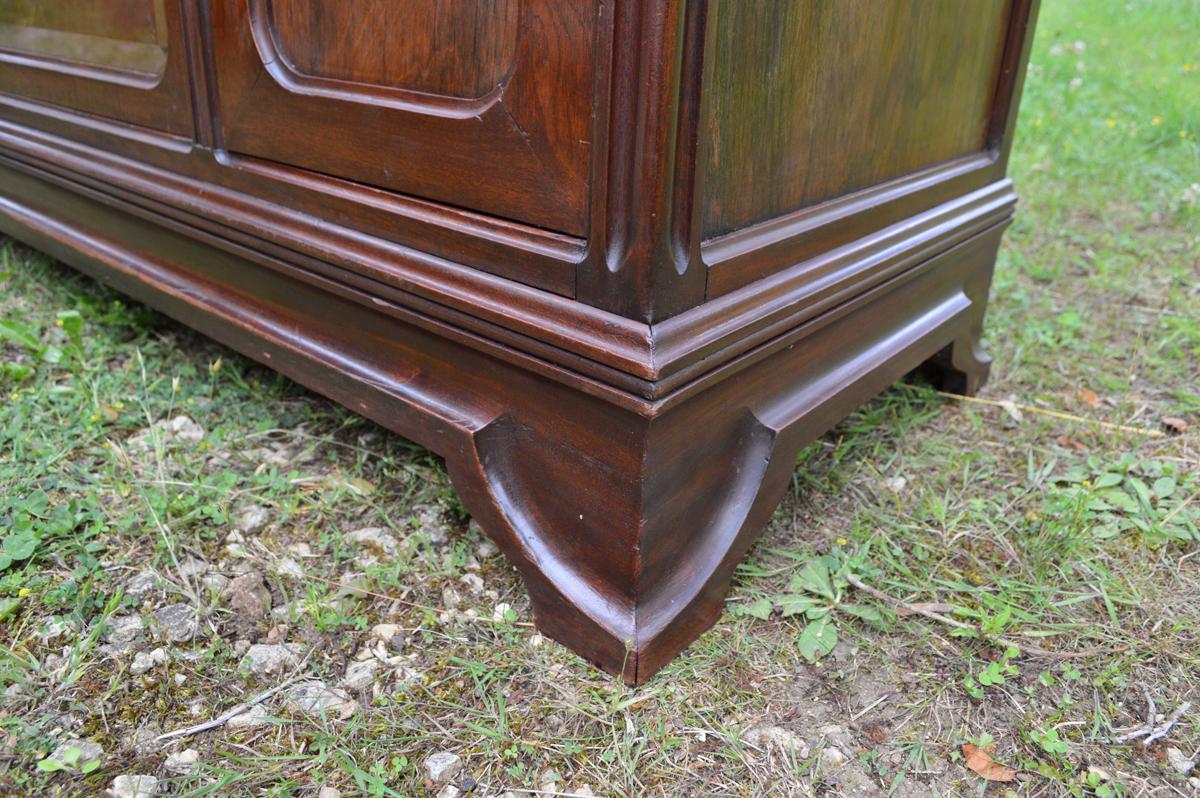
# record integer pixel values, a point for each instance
(643, 263)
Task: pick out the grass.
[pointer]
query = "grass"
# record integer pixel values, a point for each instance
(1076, 542)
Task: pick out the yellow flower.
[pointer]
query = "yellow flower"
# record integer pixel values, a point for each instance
(23, 592)
(842, 541)
(1156, 120)
(1188, 67)
(1110, 122)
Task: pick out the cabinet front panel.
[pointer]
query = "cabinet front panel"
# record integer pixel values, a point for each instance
(123, 59)
(458, 50)
(480, 104)
(811, 100)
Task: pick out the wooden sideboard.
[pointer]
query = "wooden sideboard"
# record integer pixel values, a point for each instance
(616, 261)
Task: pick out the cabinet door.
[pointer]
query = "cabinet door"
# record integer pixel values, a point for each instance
(480, 104)
(123, 59)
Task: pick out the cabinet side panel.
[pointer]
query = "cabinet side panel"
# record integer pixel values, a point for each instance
(812, 100)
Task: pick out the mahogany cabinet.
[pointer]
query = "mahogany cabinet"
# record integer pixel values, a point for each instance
(616, 261)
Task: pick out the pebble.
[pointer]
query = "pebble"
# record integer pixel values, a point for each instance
(143, 661)
(252, 519)
(142, 584)
(580, 790)
(263, 658)
(329, 792)
(290, 568)
(500, 612)
(1180, 761)
(134, 787)
(449, 791)
(215, 583)
(124, 629)
(440, 768)
(833, 757)
(361, 675)
(192, 567)
(88, 750)
(432, 526)
(766, 735)
(51, 627)
(182, 763)
(450, 597)
(385, 631)
(248, 596)
(316, 697)
(178, 622)
(376, 540)
(473, 583)
(257, 715)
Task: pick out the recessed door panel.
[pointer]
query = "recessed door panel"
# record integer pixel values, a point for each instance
(480, 104)
(123, 59)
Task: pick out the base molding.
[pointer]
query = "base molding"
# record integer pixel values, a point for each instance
(625, 515)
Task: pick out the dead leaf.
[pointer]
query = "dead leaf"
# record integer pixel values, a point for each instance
(1078, 446)
(1177, 425)
(981, 763)
(1090, 397)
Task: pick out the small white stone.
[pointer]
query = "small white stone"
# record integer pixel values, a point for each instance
(376, 540)
(88, 751)
(193, 567)
(833, 757)
(142, 583)
(180, 679)
(536, 640)
(500, 613)
(440, 768)
(252, 519)
(144, 661)
(450, 597)
(582, 790)
(289, 567)
(262, 658)
(473, 584)
(764, 735)
(183, 762)
(329, 792)
(449, 791)
(315, 697)
(177, 622)
(215, 583)
(385, 631)
(124, 629)
(361, 675)
(1180, 761)
(134, 787)
(257, 715)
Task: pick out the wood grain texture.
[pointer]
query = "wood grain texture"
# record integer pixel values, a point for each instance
(812, 100)
(464, 49)
(123, 59)
(522, 152)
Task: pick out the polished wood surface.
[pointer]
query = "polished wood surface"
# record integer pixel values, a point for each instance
(813, 100)
(520, 151)
(538, 238)
(463, 50)
(121, 34)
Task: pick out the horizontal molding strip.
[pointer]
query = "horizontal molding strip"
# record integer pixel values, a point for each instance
(659, 359)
